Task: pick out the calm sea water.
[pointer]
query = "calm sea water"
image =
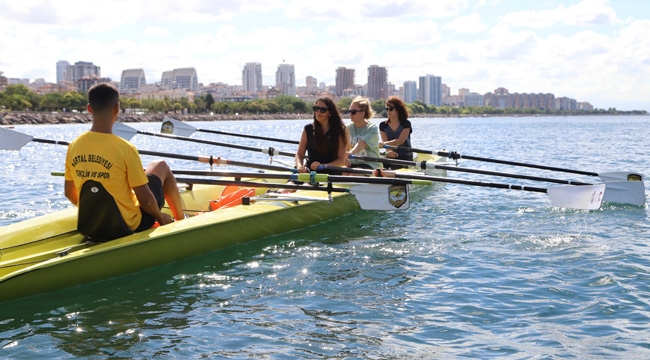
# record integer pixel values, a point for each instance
(466, 272)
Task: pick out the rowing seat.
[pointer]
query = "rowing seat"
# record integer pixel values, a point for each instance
(99, 217)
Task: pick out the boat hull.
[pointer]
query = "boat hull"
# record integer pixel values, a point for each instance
(46, 253)
(67, 260)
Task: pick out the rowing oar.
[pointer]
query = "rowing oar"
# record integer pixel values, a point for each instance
(631, 191)
(425, 165)
(585, 197)
(371, 193)
(312, 178)
(127, 132)
(177, 127)
(623, 187)
(14, 140)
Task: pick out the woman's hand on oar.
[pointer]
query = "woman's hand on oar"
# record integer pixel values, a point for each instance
(177, 127)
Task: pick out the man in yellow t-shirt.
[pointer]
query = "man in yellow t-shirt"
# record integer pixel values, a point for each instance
(113, 162)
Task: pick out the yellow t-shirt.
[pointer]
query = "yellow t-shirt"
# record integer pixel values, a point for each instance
(112, 161)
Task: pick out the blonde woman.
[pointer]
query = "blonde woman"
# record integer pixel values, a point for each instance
(363, 135)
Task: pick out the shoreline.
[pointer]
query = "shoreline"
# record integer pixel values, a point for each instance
(44, 118)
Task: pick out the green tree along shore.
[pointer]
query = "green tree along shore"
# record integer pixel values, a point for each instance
(20, 98)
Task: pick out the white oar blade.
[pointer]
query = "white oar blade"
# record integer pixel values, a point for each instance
(124, 131)
(586, 197)
(382, 196)
(13, 140)
(621, 176)
(625, 192)
(176, 127)
(624, 187)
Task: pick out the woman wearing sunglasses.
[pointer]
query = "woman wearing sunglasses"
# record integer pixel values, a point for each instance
(363, 135)
(324, 140)
(396, 131)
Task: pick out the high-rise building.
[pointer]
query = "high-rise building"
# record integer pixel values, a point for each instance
(430, 90)
(252, 77)
(410, 91)
(311, 85)
(344, 80)
(82, 69)
(86, 82)
(62, 71)
(132, 81)
(285, 79)
(377, 82)
(473, 99)
(184, 78)
(446, 91)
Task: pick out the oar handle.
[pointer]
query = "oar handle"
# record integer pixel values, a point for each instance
(248, 136)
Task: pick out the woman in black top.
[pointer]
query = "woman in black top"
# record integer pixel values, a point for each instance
(324, 141)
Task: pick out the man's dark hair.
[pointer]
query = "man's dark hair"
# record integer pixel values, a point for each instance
(102, 97)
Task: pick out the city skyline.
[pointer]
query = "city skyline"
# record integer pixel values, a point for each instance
(178, 83)
(593, 50)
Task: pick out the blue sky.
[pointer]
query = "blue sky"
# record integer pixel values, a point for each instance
(590, 50)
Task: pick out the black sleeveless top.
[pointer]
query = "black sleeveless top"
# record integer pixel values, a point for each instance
(313, 154)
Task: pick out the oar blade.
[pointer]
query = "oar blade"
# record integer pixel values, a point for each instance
(620, 176)
(124, 131)
(585, 197)
(382, 196)
(13, 140)
(625, 192)
(176, 127)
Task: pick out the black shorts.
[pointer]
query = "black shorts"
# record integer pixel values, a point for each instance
(156, 187)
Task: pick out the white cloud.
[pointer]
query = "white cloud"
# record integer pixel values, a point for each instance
(584, 13)
(392, 31)
(155, 31)
(364, 9)
(470, 24)
(579, 49)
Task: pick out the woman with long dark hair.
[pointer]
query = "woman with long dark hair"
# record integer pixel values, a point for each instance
(324, 140)
(396, 131)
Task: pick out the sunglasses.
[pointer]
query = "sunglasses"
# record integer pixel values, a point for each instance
(389, 109)
(321, 109)
(354, 111)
